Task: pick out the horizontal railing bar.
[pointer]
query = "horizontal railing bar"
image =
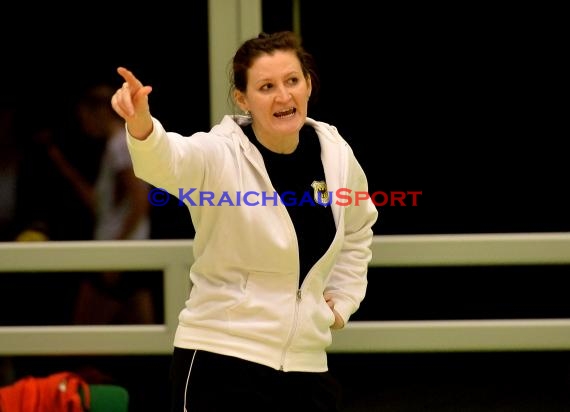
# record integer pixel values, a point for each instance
(457, 335)
(472, 249)
(93, 255)
(174, 258)
(85, 340)
(357, 337)
(392, 250)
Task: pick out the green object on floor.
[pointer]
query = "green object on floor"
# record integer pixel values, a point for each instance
(108, 398)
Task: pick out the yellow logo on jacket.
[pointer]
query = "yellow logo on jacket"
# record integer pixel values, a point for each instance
(320, 193)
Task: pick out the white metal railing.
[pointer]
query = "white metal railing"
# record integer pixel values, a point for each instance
(174, 258)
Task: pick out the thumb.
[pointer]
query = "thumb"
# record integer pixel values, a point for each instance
(140, 100)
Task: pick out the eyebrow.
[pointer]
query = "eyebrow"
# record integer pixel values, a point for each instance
(289, 74)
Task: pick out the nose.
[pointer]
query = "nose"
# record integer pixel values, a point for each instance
(283, 94)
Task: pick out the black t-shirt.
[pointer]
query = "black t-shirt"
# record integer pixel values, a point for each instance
(297, 178)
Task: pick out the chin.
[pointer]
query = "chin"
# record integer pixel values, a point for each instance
(290, 127)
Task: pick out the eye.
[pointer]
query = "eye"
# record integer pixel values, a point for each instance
(293, 80)
(266, 87)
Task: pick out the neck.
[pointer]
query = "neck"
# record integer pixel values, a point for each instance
(281, 145)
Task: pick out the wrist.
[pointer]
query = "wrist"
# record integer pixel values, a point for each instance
(140, 130)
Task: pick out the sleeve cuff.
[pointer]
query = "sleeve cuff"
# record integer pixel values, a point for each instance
(150, 142)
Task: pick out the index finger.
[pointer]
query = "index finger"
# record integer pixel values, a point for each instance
(129, 77)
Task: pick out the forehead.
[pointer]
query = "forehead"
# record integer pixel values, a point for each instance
(280, 63)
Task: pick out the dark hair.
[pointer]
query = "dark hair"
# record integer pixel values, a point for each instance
(266, 43)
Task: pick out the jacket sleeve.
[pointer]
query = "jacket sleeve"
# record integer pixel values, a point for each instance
(348, 281)
(164, 159)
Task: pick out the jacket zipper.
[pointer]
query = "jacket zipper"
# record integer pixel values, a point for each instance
(265, 175)
(293, 329)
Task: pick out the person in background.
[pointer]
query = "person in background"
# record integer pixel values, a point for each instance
(279, 262)
(117, 199)
(120, 207)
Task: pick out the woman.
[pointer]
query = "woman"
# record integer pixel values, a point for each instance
(278, 263)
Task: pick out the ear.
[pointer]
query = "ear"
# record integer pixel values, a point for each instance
(239, 98)
(309, 85)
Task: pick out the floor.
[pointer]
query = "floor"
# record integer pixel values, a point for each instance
(436, 382)
(482, 382)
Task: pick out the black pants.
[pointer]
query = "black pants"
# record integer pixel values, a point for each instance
(207, 382)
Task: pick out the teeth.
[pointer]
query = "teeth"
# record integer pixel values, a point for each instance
(286, 112)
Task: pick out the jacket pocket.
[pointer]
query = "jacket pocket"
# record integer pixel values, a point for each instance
(266, 305)
(313, 326)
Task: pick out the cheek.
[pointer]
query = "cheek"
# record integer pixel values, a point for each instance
(302, 95)
(302, 101)
(259, 104)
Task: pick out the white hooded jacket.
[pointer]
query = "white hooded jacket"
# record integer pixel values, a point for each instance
(245, 299)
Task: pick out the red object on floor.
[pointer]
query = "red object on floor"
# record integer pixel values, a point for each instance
(59, 392)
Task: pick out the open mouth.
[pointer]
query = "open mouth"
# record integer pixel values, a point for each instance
(286, 113)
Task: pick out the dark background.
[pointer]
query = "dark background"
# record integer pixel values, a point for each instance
(464, 102)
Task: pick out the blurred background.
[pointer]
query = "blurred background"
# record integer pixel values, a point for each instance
(463, 102)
